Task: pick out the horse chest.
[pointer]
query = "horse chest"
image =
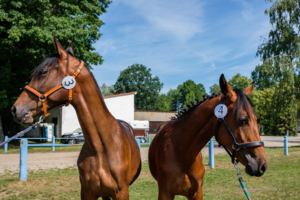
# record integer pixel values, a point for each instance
(96, 175)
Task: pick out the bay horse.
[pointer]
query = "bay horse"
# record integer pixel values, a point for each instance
(110, 159)
(175, 160)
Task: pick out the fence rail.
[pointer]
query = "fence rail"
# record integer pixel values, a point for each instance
(24, 149)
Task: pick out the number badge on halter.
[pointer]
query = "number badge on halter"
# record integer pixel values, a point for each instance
(69, 82)
(221, 111)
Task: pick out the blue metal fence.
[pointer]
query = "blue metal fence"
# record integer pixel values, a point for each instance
(24, 149)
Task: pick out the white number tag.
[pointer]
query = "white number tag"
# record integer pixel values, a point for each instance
(221, 111)
(69, 82)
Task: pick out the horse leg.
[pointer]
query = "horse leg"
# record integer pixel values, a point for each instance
(165, 195)
(198, 195)
(123, 194)
(86, 195)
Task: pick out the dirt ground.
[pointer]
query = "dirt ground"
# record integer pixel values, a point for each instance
(10, 162)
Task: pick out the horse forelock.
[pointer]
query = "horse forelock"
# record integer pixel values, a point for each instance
(242, 102)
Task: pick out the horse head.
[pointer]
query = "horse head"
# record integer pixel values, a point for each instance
(47, 78)
(243, 125)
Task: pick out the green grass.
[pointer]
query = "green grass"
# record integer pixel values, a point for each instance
(281, 181)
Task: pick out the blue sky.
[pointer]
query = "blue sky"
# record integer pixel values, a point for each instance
(181, 40)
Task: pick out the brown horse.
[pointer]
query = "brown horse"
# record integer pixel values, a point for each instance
(175, 159)
(110, 158)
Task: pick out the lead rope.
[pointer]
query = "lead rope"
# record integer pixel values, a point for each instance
(32, 126)
(240, 179)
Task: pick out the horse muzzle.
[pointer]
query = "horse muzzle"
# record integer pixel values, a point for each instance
(254, 168)
(21, 115)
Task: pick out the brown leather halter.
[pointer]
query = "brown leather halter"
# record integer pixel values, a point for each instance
(43, 97)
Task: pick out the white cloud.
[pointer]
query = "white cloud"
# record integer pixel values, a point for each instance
(182, 20)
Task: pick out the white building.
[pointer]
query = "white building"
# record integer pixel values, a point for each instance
(65, 120)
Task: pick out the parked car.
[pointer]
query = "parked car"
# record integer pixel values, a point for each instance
(75, 137)
(140, 128)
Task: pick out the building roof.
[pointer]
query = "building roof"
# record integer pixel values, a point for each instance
(116, 95)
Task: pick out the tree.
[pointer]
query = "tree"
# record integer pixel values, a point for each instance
(188, 91)
(26, 39)
(263, 76)
(239, 82)
(138, 78)
(107, 90)
(280, 56)
(215, 88)
(174, 96)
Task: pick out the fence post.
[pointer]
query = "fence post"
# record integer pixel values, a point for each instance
(286, 148)
(211, 153)
(138, 142)
(23, 159)
(53, 143)
(6, 145)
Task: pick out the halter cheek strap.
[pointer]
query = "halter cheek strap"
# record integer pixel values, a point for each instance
(43, 97)
(234, 142)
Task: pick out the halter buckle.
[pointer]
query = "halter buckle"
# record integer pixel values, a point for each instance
(42, 98)
(235, 148)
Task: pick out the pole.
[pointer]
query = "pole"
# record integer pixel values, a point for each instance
(23, 159)
(53, 143)
(211, 153)
(138, 142)
(6, 145)
(286, 148)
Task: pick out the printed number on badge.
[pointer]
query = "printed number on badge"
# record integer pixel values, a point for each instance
(221, 111)
(69, 82)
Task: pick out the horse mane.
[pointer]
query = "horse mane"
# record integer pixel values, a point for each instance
(53, 60)
(193, 105)
(242, 101)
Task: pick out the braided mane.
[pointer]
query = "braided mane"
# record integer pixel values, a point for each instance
(193, 105)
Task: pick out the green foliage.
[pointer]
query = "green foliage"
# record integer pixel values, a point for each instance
(188, 91)
(138, 78)
(26, 39)
(164, 102)
(107, 90)
(239, 82)
(215, 88)
(174, 98)
(264, 76)
(277, 78)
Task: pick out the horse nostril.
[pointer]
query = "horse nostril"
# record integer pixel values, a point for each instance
(263, 168)
(13, 111)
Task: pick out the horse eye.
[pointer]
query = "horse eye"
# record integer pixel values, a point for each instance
(43, 72)
(244, 120)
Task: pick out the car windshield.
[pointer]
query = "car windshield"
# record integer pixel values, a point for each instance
(77, 131)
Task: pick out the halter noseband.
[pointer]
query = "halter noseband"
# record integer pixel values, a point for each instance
(43, 97)
(234, 142)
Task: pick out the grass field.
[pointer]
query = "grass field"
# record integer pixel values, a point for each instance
(281, 181)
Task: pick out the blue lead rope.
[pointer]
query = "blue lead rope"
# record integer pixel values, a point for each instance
(244, 187)
(239, 177)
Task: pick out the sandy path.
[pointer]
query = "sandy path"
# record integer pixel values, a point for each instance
(10, 162)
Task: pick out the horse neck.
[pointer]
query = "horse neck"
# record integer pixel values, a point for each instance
(96, 121)
(199, 128)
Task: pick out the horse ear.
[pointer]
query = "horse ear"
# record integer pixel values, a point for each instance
(249, 89)
(70, 50)
(59, 48)
(226, 89)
